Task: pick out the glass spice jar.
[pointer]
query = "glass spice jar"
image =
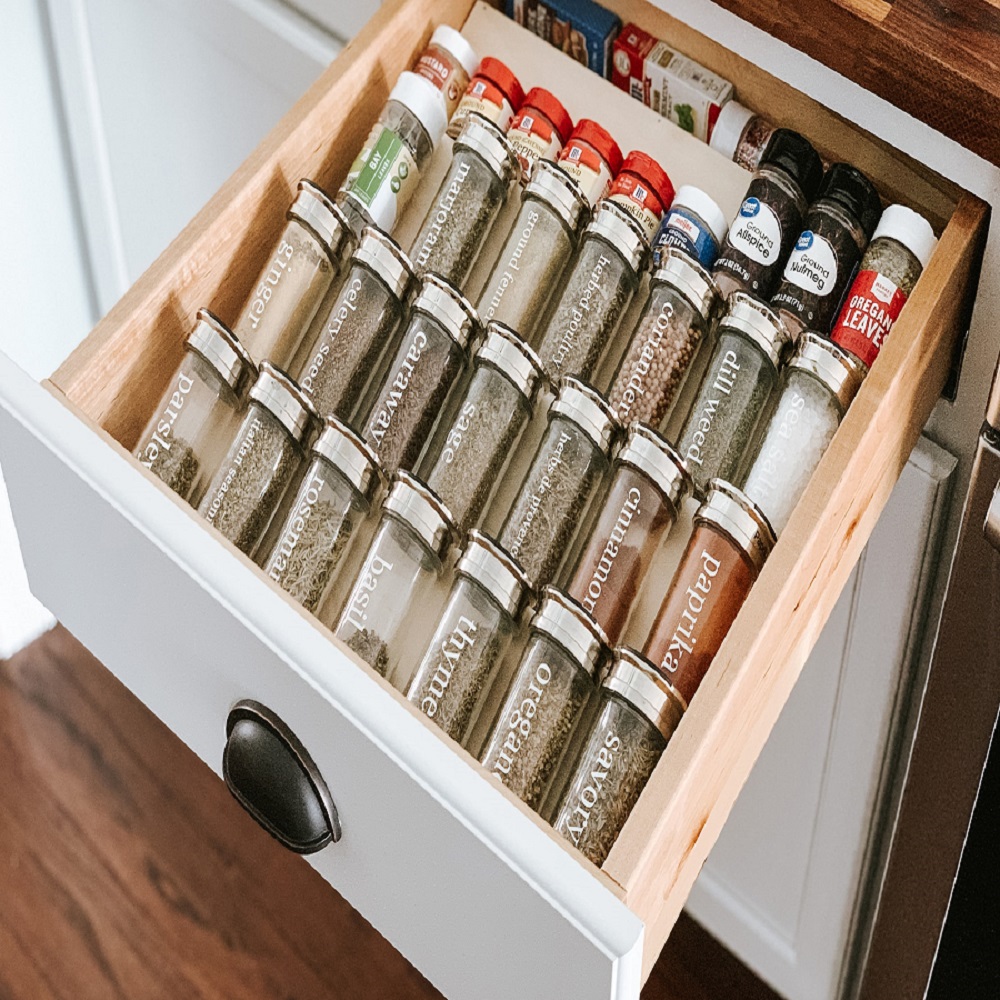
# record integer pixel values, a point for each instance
(471, 639)
(644, 190)
(741, 135)
(494, 93)
(596, 293)
(675, 321)
(537, 252)
(648, 484)
(448, 62)
(262, 460)
(294, 281)
(817, 386)
(193, 423)
(592, 158)
(770, 219)
(474, 189)
(564, 477)
(334, 497)
(695, 225)
(636, 716)
(549, 695)
(353, 333)
(724, 556)
(468, 461)
(406, 554)
(737, 385)
(430, 356)
(539, 130)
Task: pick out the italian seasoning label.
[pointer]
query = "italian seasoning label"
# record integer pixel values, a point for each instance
(872, 309)
(384, 176)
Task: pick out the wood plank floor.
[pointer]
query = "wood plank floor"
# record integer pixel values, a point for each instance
(127, 871)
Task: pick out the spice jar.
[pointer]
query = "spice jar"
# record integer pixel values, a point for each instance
(592, 158)
(636, 716)
(448, 62)
(468, 461)
(695, 225)
(741, 136)
(549, 695)
(724, 556)
(538, 130)
(193, 423)
(678, 314)
(493, 93)
(597, 292)
(467, 203)
(896, 257)
(471, 639)
(838, 226)
(293, 282)
(261, 462)
(649, 482)
(537, 252)
(737, 385)
(335, 495)
(387, 170)
(644, 190)
(563, 479)
(817, 386)
(770, 219)
(430, 356)
(412, 538)
(351, 335)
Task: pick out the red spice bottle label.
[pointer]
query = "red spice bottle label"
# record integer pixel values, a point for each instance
(639, 201)
(873, 305)
(585, 165)
(533, 138)
(485, 98)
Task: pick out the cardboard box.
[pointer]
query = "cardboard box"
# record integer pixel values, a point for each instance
(581, 28)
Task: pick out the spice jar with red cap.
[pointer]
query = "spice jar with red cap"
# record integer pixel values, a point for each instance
(592, 158)
(539, 130)
(643, 189)
(493, 92)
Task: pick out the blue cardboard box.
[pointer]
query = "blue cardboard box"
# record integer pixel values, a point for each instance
(581, 28)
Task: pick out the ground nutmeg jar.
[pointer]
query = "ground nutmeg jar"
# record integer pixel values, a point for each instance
(592, 159)
(644, 190)
(494, 93)
(538, 130)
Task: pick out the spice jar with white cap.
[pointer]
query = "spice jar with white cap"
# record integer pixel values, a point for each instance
(448, 62)
(741, 135)
(694, 224)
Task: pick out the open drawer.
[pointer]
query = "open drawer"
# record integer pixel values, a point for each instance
(468, 883)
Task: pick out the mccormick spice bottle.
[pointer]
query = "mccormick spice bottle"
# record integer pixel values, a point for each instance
(896, 257)
(770, 219)
(640, 508)
(637, 714)
(597, 291)
(549, 695)
(493, 93)
(695, 225)
(738, 383)
(194, 421)
(448, 62)
(471, 639)
(817, 386)
(741, 136)
(644, 190)
(838, 226)
(592, 158)
(538, 130)
(296, 277)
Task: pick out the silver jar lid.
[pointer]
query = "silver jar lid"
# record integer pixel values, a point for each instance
(383, 255)
(551, 184)
(495, 571)
(219, 347)
(512, 357)
(564, 621)
(350, 456)
(413, 503)
(326, 220)
(757, 322)
(483, 137)
(613, 224)
(839, 371)
(650, 454)
(280, 396)
(588, 409)
(449, 307)
(734, 513)
(643, 686)
(681, 271)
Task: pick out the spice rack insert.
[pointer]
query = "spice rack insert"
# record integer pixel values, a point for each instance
(108, 381)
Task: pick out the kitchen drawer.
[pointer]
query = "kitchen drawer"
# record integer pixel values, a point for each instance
(469, 884)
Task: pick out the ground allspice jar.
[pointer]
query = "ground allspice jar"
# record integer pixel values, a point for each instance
(596, 293)
(643, 188)
(494, 93)
(297, 276)
(548, 697)
(724, 556)
(539, 130)
(741, 135)
(695, 225)
(592, 158)
(470, 641)
(194, 421)
(448, 62)
(675, 322)
(262, 460)
(648, 484)
(737, 386)
(636, 716)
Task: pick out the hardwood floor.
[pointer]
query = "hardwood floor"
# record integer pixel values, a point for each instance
(128, 871)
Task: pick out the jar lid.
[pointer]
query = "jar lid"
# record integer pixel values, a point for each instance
(548, 104)
(512, 357)
(653, 456)
(324, 218)
(419, 507)
(794, 155)
(383, 255)
(738, 517)
(613, 224)
(350, 456)
(705, 207)
(564, 621)
(495, 571)
(759, 323)
(500, 73)
(681, 271)
(424, 101)
(593, 134)
(855, 193)
(729, 127)
(484, 138)
(588, 409)
(839, 371)
(457, 44)
(636, 679)
(652, 175)
(446, 305)
(559, 191)
(219, 347)
(905, 226)
(280, 396)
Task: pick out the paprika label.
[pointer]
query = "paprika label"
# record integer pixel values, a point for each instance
(873, 305)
